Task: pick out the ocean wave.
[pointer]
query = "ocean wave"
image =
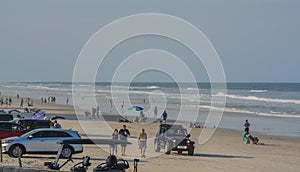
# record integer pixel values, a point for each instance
(192, 89)
(254, 98)
(234, 110)
(152, 87)
(258, 91)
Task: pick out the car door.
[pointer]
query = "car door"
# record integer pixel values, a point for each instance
(17, 130)
(36, 142)
(5, 130)
(53, 140)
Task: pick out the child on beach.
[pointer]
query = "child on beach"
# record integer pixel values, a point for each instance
(142, 142)
(247, 125)
(114, 147)
(248, 137)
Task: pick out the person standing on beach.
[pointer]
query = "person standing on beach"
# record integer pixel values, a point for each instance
(21, 103)
(9, 102)
(247, 125)
(67, 101)
(6, 102)
(56, 125)
(114, 148)
(165, 116)
(122, 107)
(110, 102)
(98, 112)
(124, 133)
(155, 111)
(142, 142)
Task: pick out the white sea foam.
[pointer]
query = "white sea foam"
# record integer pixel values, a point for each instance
(254, 98)
(234, 110)
(258, 91)
(152, 87)
(192, 89)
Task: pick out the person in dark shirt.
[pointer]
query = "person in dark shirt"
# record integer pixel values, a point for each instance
(165, 116)
(124, 133)
(247, 125)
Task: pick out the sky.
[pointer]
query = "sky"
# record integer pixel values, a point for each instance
(257, 40)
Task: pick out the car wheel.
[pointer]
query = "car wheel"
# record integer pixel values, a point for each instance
(156, 146)
(66, 152)
(191, 151)
(168, 148)
(16, 151)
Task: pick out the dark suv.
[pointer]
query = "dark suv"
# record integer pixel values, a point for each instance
(31, 124)
(173, 138)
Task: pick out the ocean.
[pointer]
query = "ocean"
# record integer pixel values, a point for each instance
(279, 102)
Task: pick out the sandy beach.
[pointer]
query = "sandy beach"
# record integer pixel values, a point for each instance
(225, 151)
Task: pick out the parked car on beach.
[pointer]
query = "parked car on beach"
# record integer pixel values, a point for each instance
(32, 124)
(11, 129)
(42, 141)
(5, 116)
(173, 138)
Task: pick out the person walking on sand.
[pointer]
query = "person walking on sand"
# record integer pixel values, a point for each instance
(124, 133)
(9, 102)
(122, 107)
(98, 112)
(142, 142)
(165, 116)
(110, 102)
(155, 110)
(6, 102)
(114, 147)
(21, 103)
(247, 125)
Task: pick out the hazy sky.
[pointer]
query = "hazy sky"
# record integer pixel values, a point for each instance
(257, 40)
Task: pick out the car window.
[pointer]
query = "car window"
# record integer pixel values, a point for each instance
(43, 124)
(78, 135)
(62, 134)
(5, 126)
(55, 134)
(6, 117)
(38, 134)
(16, 127)
(176, 132)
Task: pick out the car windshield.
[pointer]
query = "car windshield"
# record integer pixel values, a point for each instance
(176, 132)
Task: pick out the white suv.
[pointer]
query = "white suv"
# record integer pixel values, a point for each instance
(41, 141)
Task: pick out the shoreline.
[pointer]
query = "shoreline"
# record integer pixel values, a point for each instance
(230, 120)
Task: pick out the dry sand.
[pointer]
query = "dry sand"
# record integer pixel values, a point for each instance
(225, 151)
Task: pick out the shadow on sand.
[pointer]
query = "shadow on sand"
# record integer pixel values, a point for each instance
(220, 156)
(62, 159)
(80, 158)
